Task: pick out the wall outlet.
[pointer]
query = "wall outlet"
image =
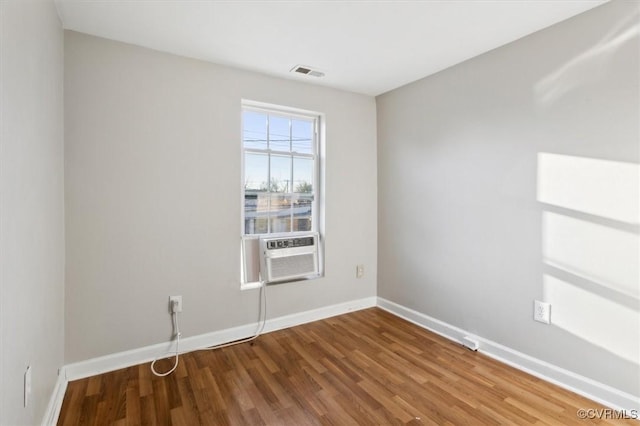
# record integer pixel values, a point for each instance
(359, 271)
(178, 306)
(542, 312)
(27, 386)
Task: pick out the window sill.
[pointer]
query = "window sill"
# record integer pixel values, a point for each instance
(250, 286)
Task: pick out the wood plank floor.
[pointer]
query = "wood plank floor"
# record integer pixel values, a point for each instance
(367, 367)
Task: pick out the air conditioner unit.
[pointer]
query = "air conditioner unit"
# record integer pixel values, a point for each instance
(288, 258)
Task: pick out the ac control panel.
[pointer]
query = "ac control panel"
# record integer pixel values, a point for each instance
(289, 243)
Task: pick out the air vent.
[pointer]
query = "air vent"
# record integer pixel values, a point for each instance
(302, 69)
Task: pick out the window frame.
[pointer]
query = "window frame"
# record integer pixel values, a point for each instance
(317, 120)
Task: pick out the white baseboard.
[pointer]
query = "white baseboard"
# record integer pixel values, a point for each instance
(94, 366)
(52, 413)
(596, 391)
(581, 385)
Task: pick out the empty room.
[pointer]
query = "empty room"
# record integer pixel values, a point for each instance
(319, 212)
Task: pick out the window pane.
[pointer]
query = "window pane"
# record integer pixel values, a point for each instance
(256, 169)
(302, 136)
(279, 187)
(301, 224)
(280, 213)
(280, 174)
(254, 131)
(256, 212)
(279, 139)
(302, 212)
(302, 175)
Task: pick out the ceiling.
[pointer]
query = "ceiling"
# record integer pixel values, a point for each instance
(367, 47)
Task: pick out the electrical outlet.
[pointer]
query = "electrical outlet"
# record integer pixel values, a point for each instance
(178, 306)
(27, 385)
(359, 271)
(542, 312)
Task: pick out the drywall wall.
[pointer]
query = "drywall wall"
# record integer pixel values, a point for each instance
(153, 195)
(513, 177)
(31, 206)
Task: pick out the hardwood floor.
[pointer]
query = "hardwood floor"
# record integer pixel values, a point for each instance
(367, 367)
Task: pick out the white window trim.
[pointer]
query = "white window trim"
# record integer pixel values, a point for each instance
(317, 213)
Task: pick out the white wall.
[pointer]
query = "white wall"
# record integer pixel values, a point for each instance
(513, 177)
(31, 206)
(153, 195)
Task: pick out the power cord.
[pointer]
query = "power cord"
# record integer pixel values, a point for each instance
(176, 327)
(262, 318)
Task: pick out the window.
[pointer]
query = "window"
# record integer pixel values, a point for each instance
(280, 155)
(280, 194)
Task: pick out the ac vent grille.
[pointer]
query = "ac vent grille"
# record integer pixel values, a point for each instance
(292, 265)
(302, 69)
(288, 258)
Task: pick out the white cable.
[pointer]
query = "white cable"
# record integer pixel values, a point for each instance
(262, 318)
(176, 326)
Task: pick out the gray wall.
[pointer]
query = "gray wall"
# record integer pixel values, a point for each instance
(31, 207)
(153, 195)
(513, 177)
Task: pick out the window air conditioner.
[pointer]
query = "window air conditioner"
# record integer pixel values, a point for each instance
(288, 258)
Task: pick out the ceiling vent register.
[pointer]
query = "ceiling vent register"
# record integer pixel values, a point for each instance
(302, 69)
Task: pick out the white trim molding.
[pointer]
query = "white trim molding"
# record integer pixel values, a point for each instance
(52, 412)
(566, 379)
(581, 385)
(104, 364)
